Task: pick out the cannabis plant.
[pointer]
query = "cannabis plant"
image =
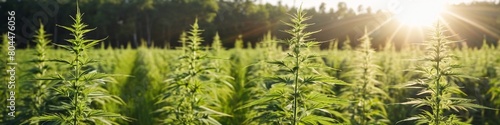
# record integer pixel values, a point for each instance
(183, 100)
(300, 94)
(269, 51)
(79, 92)
(183, 40)
(39, 89)
(217, 44)
(217, 51)
(438, 73)
(366, 106)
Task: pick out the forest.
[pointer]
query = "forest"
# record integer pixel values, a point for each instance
(161, 22)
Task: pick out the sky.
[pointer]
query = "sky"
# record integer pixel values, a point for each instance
(388, 5)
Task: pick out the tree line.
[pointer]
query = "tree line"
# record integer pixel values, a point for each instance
(160, 22)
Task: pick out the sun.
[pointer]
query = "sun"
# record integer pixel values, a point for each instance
(420, 12)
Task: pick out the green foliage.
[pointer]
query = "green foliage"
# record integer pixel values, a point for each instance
(183, 40)
(255, 96)
(347, 44)
(364, 92)
(249, 74)
(238, 44)
(183, 99)
(216, 43)
(79, 90)
(3, 76)
(296, 97)
(39, 89)
(230, 98)
(265, 85)
(144, 82)
(437, 83)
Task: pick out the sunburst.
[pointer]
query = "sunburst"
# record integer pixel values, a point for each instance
(420, 12)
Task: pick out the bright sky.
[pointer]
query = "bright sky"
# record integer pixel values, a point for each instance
(389, 5)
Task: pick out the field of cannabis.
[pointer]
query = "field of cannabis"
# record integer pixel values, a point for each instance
(277, 82)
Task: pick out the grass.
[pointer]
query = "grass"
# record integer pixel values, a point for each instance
(364, 92)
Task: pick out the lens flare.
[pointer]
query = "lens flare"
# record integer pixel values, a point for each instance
(420, 12)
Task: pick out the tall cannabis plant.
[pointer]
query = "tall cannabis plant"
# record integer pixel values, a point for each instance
(437, 83)
(217, 52)
(300, 94)
(39, 89)
(183, 100)
(79, 90)
(367, 106)
(269, 50)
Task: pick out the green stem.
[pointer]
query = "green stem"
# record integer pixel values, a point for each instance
(75, 86)
(296, 50)
(295, 90)
(363, 92)
(438, 74)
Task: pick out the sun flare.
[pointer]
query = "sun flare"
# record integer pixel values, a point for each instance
(420, 12)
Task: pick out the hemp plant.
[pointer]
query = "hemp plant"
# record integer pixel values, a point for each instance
(39, 89)
(270, 50)
(183, 40)
(183, 100)
(217, 51)
(217, 43)
(79, 92)
(367, 106)
(437, 83)
(300, 94)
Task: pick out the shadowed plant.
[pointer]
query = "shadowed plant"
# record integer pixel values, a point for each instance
(217, 43)
(238, 43)
(367, 106)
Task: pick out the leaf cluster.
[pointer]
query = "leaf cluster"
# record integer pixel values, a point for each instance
(79, 92)
(183, 100)
(438, 74)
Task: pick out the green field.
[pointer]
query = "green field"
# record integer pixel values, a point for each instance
(275, 82)
(144, 69)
